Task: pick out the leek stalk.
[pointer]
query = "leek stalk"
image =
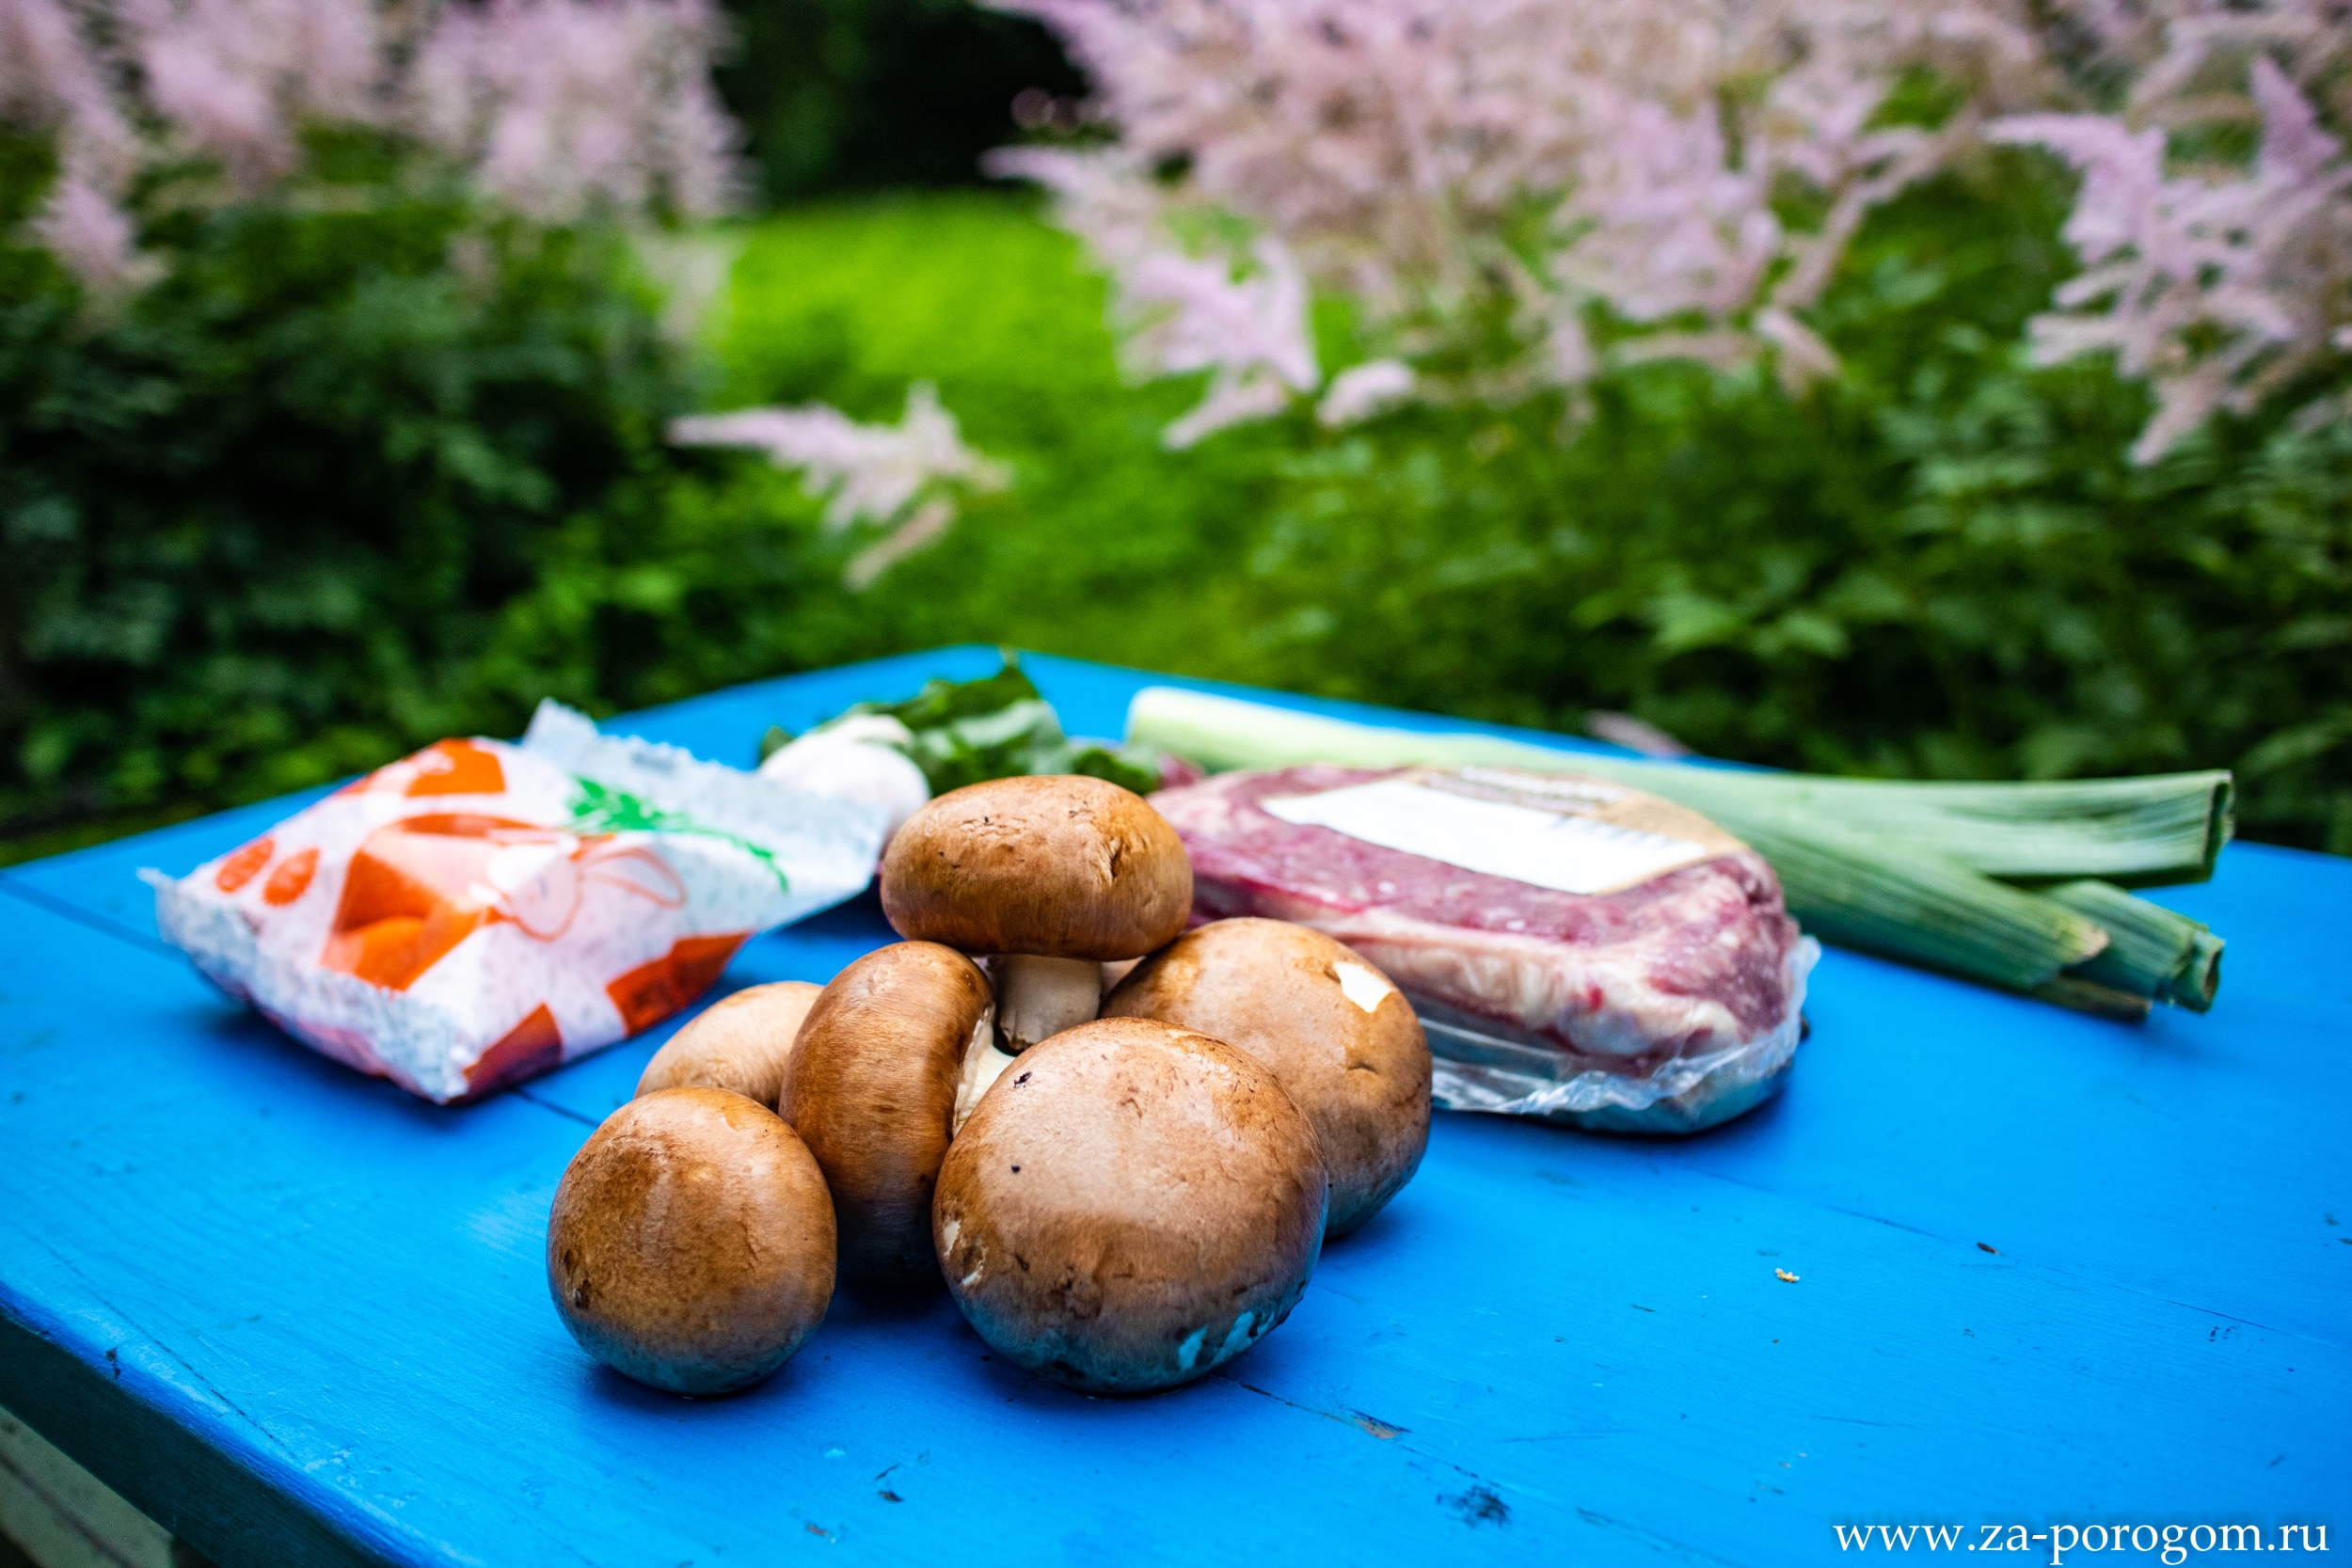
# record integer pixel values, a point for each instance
(2165, 828)
(2151, 951)
(1919, 872)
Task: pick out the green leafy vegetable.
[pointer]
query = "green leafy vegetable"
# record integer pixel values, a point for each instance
(944, 702)
(997, 727)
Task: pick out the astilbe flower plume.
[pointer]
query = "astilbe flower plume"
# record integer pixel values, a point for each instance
(1609, 179)
(235, 80)
(902, 475)
(50, 79)
(1360, 391)
(2217, 289)
(558, 109)
(1546, 156)
(565, 105)
(2219, 285)
(2188, 59)
(1246, 322)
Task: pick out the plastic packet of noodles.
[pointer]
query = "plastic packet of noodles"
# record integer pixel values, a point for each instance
(482, 912)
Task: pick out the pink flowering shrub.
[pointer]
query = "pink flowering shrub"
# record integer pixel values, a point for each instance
(903, 476)
(325, 319)
(236, 80)
(1518, 195)
(2218, 285)
(555, 109)
(561, 106)
(1246, 324)
(50, 77)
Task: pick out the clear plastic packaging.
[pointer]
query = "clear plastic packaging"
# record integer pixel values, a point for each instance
(1481, 1065)
(1577, 950)
(480, 913)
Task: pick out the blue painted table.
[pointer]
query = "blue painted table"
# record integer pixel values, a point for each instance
(2051, 1270)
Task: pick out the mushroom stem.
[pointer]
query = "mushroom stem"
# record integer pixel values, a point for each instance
(982, 1063)
(1038, 998)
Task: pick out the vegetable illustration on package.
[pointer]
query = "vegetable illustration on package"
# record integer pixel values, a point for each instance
(479, 912)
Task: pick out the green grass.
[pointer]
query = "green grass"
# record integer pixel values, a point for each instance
(1107, 546)
(1939, 565)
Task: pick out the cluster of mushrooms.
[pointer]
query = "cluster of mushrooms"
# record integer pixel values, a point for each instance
(1124, 1171)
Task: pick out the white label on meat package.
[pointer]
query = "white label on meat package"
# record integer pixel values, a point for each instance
(1557, 849)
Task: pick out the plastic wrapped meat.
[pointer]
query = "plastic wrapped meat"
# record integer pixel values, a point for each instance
(1577, 950)
(479, 912)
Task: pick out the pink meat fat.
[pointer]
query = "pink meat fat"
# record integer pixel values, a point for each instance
(1694, 960)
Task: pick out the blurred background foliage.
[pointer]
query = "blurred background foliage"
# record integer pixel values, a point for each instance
(323, 496)
(261, 519)
(851, 95)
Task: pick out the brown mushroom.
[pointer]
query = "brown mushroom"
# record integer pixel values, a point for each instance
(1048, 877)
(1342, 1040)
(1131, 1204)
(690, 1245)
(740, 1042)
(873, 1087)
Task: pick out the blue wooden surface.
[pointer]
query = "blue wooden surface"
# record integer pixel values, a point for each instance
(299, 1316)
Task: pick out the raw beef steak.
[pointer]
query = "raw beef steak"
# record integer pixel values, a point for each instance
(1663, 1000)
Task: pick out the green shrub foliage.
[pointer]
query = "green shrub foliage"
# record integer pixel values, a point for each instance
(1941, 566)
(261, 518)
(840, 95)
(331, 498)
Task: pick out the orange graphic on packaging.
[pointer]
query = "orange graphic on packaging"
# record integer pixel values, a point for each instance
(291, 879)
(444, 768)
(651, 992)
(404, 902)
(525, 1050)
(420, 886)
(243, 866)
(463, 768)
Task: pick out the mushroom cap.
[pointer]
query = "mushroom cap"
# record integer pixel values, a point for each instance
(740, 1042)
(871, 1088)
(1063, 866)
(1341, 1039)
(690, 1245)
(1131, 1204)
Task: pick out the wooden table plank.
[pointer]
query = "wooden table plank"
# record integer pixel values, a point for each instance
(330, 1338)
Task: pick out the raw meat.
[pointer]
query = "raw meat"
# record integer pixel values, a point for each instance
(1662, 1006)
